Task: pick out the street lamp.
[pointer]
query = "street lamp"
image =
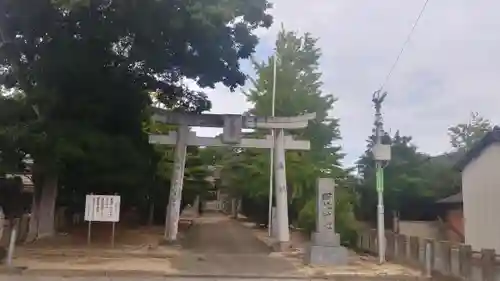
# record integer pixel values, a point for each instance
(382, 155)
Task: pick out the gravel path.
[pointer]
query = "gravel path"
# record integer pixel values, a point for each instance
(217, 244)
(216, 233)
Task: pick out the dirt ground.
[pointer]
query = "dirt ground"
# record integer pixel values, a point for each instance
(215, 233)
(359, 265)
(214, 245)
(221, 245)
(128, 238)
(101, 233)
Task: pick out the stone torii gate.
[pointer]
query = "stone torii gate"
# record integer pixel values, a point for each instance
(232, 136)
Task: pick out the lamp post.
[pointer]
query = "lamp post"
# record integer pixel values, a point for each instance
(381, 154)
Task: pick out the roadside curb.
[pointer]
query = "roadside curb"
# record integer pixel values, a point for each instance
(144, 274)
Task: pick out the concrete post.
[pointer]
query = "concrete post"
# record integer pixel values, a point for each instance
(402, 242)
(234, 208)
(488, 260)
(281, 191)
(465, 263)
(390, 245)
(445, 248)
(430, 256)
(414, 251)
(174, 201)
(219, 203)
(196, 205)
(12, 242)
(428, 262)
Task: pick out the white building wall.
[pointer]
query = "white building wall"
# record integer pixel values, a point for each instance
(481, 196)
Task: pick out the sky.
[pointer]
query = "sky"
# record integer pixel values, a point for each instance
(450, 67)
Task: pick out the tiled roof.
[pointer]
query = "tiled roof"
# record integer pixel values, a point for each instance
(455, 198)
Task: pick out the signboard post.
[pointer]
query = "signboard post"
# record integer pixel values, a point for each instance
(88, 214)
(113, 234)
(102, 208)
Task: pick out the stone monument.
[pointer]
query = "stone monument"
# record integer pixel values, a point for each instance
(325, 248)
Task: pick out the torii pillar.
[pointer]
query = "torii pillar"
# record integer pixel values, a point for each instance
(176, 184)
(281, 192)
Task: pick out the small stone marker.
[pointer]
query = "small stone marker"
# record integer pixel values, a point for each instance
(325, 246)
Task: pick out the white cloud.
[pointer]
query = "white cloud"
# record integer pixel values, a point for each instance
(450, 67)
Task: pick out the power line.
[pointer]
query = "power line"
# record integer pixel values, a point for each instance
(378, 98)
(404, 46)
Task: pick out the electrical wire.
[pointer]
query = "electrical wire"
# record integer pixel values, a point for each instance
(408, 38)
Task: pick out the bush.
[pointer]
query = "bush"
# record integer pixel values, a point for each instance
(256, 209)
(345, 222)
(307, 216)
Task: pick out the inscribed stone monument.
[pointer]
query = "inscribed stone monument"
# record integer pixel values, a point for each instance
(325, 246)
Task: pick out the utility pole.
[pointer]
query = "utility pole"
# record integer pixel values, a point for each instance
(381, 154)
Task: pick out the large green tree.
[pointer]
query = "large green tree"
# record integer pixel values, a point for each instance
(299, 91)
(413, 181)
(86, 70)
(464, 135)
(11, 155)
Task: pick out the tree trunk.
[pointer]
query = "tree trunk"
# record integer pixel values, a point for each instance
(234, 208)
(46, 210)
(151, 213)
(196, 205)
(2, 223)
(33, 224)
